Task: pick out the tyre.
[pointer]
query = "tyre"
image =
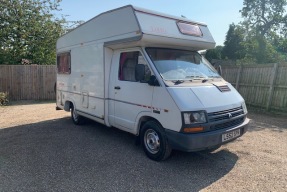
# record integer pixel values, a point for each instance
(77, 119)
(154, 141)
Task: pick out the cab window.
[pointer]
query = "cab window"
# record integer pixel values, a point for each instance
(127, 66)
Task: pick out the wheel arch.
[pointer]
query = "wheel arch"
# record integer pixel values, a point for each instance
(142, 120)
(68, 104)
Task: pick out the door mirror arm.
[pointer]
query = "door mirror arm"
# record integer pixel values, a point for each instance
(153, 81)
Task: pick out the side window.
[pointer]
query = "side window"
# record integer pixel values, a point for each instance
(128, 62)
(64, 63)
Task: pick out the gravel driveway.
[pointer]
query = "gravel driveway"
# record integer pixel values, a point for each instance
(42, 150)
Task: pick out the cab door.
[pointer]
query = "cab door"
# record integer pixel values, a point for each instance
(129, 96)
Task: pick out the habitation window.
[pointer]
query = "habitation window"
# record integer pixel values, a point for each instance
(189, 29)
(64, 63)
(128, 62)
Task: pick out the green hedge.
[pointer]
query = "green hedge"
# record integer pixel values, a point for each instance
(3, 98)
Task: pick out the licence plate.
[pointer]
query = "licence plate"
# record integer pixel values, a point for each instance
(230, 135)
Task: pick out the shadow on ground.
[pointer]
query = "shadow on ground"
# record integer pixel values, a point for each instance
(59, 156)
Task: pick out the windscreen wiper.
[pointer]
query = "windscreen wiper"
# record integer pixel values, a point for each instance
(177, 82)
(204, 80)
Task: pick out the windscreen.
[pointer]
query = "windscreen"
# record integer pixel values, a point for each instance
(173, 64)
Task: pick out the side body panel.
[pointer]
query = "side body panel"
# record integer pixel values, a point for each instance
(169, 116)
(127, 99)
(108, 57)
(84, 87)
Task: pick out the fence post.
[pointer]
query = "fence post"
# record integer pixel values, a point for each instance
(271, 88)
(238, 77)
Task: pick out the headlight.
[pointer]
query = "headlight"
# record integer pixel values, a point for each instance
(194, 117)
(244, 107)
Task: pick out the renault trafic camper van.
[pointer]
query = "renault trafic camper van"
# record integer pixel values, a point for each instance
(140, 71)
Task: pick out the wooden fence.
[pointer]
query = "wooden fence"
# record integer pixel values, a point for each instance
(28, 82)
(263, 86)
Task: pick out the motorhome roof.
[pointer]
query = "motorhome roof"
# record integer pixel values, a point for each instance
(145, 27)
(148, 11)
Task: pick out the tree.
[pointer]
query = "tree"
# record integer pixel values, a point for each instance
(215, 53)
(265, 17)
(280, 44)
(233, 48)
(29, 30)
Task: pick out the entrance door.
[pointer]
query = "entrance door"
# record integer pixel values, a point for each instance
(131, 97)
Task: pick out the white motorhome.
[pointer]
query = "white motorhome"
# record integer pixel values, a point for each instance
(140, 71)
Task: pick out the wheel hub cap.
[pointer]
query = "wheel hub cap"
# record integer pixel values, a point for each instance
(152, 142)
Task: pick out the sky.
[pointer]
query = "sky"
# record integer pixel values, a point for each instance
(217, 14)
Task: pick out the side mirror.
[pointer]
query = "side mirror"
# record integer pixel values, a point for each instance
(153, 81)
(140, 72)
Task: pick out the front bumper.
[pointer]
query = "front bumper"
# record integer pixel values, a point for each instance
(201, 141)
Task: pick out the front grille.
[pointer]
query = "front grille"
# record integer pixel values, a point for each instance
(223, 115)
(228, 124)
(225, 119)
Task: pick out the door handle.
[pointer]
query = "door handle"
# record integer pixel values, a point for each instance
(117, 87)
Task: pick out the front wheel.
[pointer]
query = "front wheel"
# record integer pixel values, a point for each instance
(154, 141)
(77, 119)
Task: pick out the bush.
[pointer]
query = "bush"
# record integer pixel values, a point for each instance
(3, 98)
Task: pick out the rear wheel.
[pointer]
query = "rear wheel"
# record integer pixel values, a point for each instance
(154, 141)
(77, 119)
